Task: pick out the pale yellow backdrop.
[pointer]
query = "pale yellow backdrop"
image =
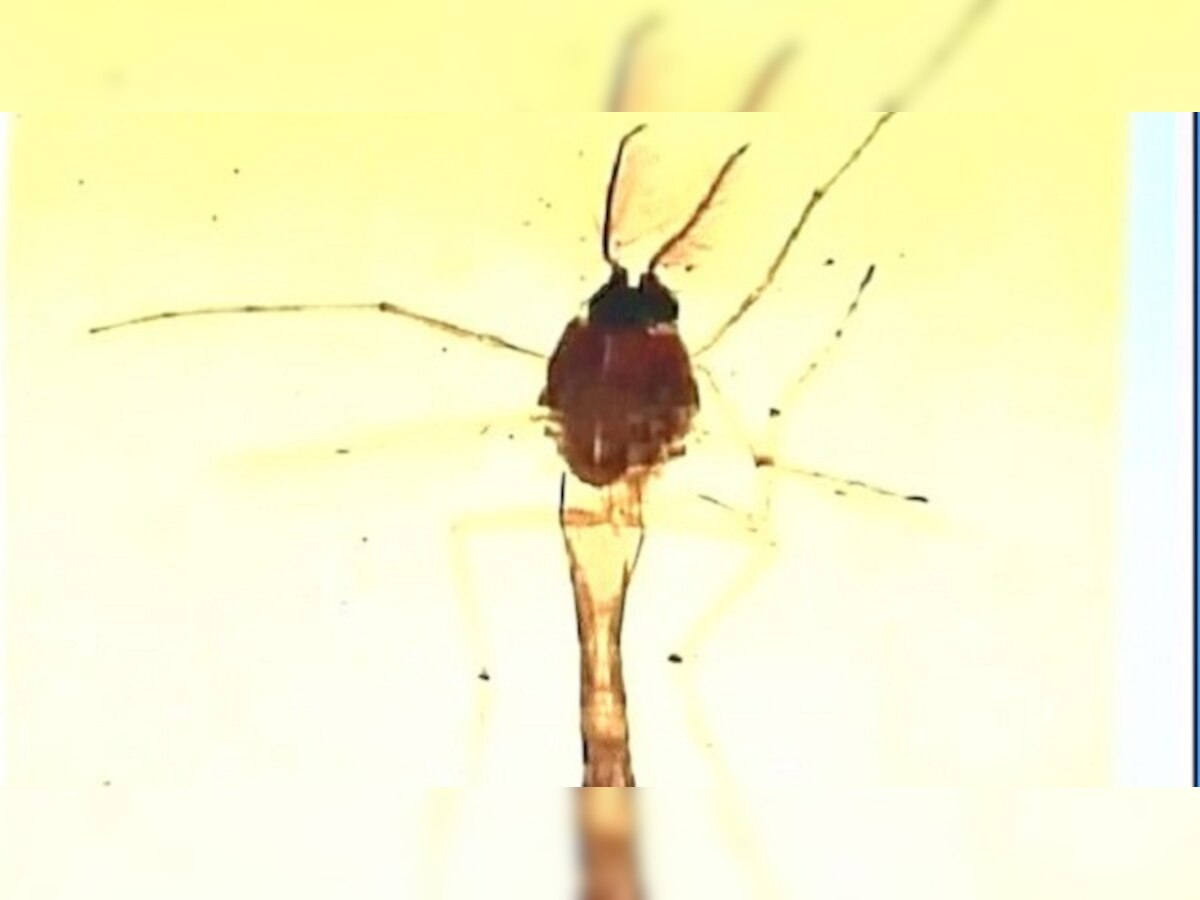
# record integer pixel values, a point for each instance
(205, 594)
(547, 55)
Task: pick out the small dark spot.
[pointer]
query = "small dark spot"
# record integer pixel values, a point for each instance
(902, 256)
(917, 498)
(526, 224)
(838, 333)
(483, 675)
(690, 267)
(342, 451)
(675, 658)
(829, 261)
(774, 412)
(510, 437)
(579, 153)
(443, 348)
(81, 182)
(106, 783)
(840, 492)
(214, 217)
(237, 171)
(364, 540)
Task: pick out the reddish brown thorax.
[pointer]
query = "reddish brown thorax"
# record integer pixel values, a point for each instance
(619, 385)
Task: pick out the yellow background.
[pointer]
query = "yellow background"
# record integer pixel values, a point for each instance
(206, 597)
(546, 55)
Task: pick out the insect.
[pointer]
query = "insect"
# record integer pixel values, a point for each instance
(620, 397)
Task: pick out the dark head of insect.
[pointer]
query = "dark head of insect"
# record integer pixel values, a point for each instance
(621, 304)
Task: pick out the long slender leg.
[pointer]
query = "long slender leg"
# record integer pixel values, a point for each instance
(439, 325)
(766, 461)
(935, 61)
(818, 194)
(764, 552)
(766, 458)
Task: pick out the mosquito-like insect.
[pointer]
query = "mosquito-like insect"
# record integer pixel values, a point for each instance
(620, 398)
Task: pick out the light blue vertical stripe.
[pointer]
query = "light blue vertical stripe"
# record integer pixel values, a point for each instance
(1154, 626)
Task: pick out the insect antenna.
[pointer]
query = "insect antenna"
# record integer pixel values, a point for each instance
(767, 78)
(611, 194)
(439, 325)
(701, 209)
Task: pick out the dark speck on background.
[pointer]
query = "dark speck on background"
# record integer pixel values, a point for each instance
(214, 217)
(80, 182)
(829, 261)
(484, 676)
(237, 171)
(342, 451)
(675, 658)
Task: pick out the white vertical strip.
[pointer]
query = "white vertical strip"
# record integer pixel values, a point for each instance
(1154, 611)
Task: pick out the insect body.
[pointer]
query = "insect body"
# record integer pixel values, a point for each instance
(619, 386)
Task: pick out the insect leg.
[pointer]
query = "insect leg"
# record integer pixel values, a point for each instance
(440, 325)
(935, 61)
(734, 820)
(818, 194)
